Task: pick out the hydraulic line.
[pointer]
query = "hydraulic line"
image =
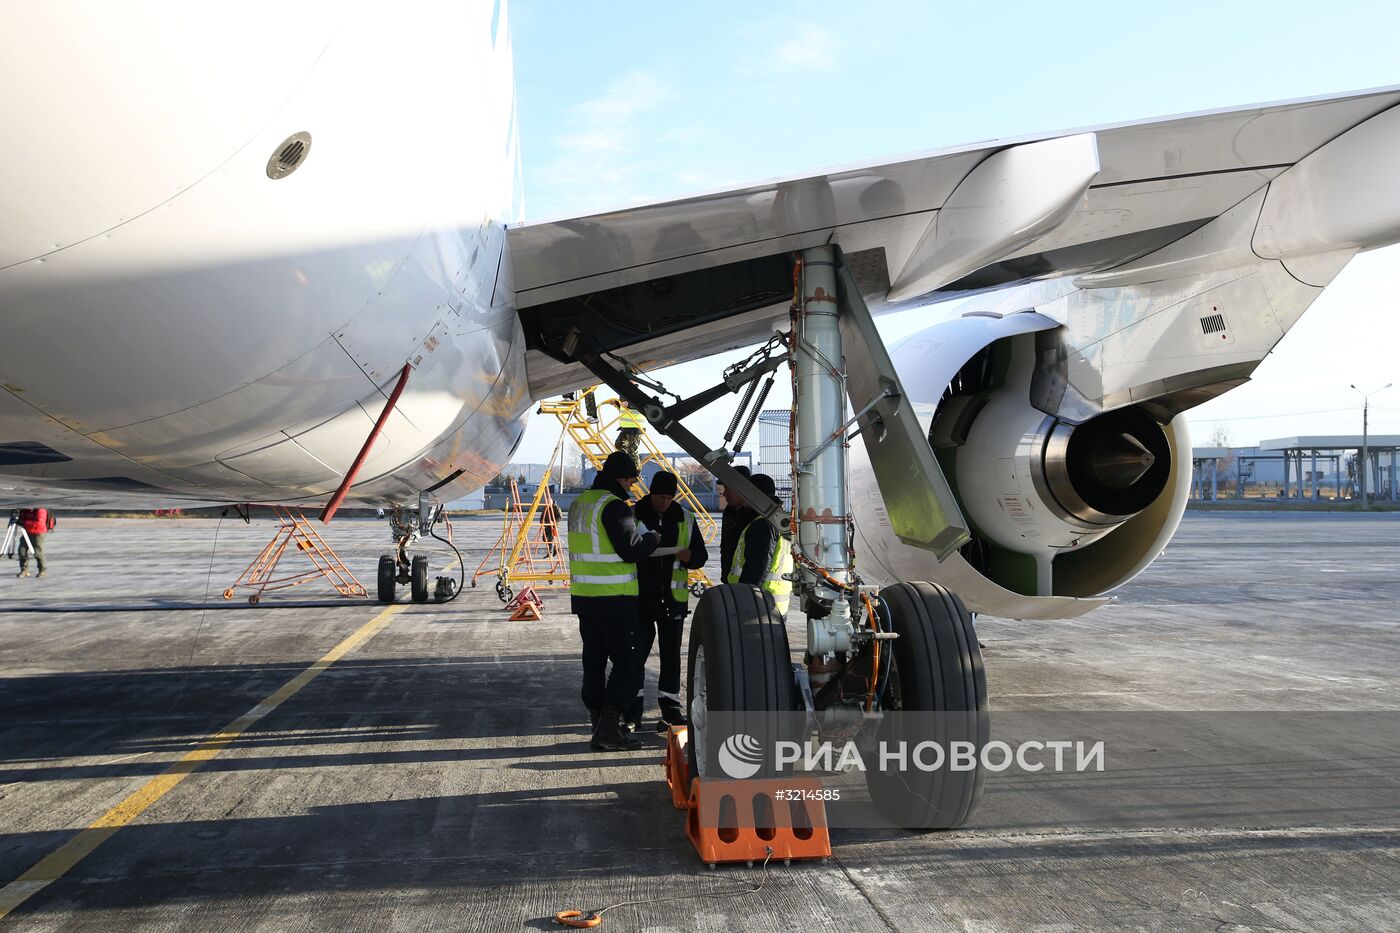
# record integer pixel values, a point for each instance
(874, 686)
(888, 626)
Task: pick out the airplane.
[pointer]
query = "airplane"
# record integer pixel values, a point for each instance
(286, 265)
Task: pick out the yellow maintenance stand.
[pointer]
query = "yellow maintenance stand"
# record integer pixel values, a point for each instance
(591, 424)
(529, 548)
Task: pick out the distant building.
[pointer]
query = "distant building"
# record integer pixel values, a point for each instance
(774, 439)
(529, 472)
(1309, 468)
(472, 500)
(702, 484)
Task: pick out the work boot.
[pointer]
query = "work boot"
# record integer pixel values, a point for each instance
(608, 735)
(23, 572)
(672, 713)
(42, 572)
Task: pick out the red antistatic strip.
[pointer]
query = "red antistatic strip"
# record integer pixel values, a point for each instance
(332, 506)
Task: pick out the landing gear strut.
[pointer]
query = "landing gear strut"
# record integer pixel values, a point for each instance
(904, 655)
(407, 526)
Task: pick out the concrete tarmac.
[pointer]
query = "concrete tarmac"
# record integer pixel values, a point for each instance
(436, 775)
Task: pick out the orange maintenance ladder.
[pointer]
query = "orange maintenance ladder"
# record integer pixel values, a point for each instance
(259, 575)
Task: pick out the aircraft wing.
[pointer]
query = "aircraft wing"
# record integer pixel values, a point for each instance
(684, 279)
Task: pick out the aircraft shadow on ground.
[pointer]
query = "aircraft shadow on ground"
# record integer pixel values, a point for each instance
(576, 838)
(480, 839)
(160, 713)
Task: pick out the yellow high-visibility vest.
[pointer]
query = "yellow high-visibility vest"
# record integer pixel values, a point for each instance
(595, 567)
(773, 581)
(680, 577)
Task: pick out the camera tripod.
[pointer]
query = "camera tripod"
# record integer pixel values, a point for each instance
(14, 534)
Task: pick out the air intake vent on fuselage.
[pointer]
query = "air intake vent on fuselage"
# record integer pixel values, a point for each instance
(289, 155)
(1213, 324)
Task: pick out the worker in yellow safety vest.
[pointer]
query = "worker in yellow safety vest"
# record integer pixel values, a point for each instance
(665, 595)
(762, 557)
(630, 423)
(604, 547)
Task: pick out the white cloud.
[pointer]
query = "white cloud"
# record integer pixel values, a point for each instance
(599, 158)
(812, 49)
(602, 139)
(632, 93)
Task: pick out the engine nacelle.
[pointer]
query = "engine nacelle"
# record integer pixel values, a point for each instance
(1060, 510)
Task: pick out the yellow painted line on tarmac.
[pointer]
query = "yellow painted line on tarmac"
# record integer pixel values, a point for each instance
(58, 862)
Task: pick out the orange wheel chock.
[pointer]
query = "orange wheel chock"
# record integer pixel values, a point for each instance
(527, 596)
(576, 918)
(746, 821)
(677, 766)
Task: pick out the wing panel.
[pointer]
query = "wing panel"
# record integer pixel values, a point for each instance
(1234, 151)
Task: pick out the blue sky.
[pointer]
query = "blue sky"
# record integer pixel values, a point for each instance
(623, 102)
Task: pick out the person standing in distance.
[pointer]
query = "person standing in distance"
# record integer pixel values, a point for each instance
(733, 519)
(604, 547)
(762, 556)
(665, 595)
(37, 523)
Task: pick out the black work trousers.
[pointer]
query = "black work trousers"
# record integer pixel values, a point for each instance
(38, 553)
(665, 621)
(609, 634)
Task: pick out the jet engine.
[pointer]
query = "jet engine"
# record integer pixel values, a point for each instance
(1063, 500)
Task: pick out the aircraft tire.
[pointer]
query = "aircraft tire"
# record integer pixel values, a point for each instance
(386, 582)
(937, 691)
(738, 661)
(419, 579)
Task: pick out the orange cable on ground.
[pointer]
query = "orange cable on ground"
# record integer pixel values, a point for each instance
(578, 920)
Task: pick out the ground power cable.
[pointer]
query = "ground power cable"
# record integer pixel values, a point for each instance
(203, 609)
(579, 920)
(461, 565)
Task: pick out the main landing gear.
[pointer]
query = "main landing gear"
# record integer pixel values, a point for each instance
(407, 526)
(882, 665)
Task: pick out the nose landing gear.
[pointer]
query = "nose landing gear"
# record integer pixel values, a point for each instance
(407, 526)
(905, 655)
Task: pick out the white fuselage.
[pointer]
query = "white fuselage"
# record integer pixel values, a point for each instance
(178, 322)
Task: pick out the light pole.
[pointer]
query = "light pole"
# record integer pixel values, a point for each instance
(1365, 465)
